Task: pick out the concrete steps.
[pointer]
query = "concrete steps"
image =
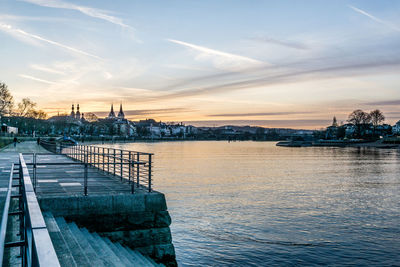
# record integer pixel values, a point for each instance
(78, 247)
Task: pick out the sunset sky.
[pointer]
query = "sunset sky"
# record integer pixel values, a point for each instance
(267, 63)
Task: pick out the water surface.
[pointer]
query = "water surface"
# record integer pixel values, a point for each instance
(255, 204)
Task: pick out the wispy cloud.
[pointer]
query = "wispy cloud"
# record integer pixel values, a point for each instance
(147, 111)
(89, 11)
(392, 102)
(46, 69)
(9, 29)
(285, 76)
(36, 79)
(285, 43)
(301, 124)
(388, 24)
(259, 114)
(228, 59)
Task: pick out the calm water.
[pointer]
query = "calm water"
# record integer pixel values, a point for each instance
(255, 204)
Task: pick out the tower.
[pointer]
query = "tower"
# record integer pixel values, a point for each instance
(334, 122)
(111, 115)
(73, 112)
(121, 114)
(78, 114)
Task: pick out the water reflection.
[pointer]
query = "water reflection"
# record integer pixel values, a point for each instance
(255, 204)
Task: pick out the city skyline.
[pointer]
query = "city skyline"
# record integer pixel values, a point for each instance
(204, 62)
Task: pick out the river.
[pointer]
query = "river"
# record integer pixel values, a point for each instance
(255, 204)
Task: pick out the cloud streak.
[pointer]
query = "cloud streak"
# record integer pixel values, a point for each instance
(36, 79)
(265, 123)
(284, 43)
(212, 52)
(261, 79)
(9, 29)
(147, 111)
(89, 11)
(385, 103)
(387, 24)
(259, 114)
(46, 69)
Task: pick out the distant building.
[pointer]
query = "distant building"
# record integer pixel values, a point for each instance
(396, 128)
(8, 129)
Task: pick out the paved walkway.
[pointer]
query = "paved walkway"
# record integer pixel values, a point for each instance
(66, 179)
(24, 147)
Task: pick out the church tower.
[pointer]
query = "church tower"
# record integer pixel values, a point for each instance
(111, 115)
(73, 112)
(121, 114)
(78, 114)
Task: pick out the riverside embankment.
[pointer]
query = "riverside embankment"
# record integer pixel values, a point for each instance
(124, 212)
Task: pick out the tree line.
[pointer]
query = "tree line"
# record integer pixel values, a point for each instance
(26, 108)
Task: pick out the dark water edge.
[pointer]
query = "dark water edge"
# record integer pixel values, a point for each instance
(255, 204)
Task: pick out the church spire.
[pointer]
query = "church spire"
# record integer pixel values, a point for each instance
(73, 112)
(121, 114)
(111, 115)
(78, 113)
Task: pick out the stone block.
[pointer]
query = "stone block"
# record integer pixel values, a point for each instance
(155, 202)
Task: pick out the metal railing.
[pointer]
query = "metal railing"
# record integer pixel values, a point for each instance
(35, 242)
(131, 166)
(4, 219)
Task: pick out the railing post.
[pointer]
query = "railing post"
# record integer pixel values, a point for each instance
(90, 155)
(130, 166)
(85, 177)
(103, 159)
(108, 160)
(137, 169)
(34, 172)
(133, 177)
(122, 158)
(150, 172)
(114, 162)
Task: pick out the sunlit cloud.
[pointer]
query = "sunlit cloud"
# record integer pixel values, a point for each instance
(9, 29)
(89, 11)
(388, 24)
(257, 114)
(36, 79)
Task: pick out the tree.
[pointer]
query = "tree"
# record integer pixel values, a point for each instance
(360, 119)
(91, 117)
(25, 108)
(377, 118)
(6, 100)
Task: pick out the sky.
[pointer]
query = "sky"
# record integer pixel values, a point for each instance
(292, 64)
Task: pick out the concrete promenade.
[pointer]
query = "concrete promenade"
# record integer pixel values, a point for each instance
(138, 221)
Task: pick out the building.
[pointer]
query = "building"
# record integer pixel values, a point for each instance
(396, 128)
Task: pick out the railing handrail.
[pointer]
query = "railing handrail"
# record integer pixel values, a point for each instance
(39, 250)
(4, 219)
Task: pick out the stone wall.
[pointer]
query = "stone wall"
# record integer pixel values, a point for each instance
(140, 221)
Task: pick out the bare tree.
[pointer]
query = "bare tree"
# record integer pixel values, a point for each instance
(25, 108)
(377, 118)
(6, 100)
(360, 119)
